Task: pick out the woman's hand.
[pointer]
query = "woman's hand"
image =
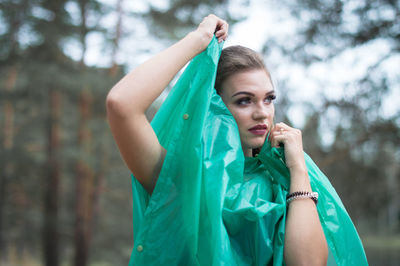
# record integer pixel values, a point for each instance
(305, 242)
(208, 27)
(293, 145)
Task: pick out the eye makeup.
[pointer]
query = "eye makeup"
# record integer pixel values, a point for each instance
(270, 98)
(247, 99)
(272, 92)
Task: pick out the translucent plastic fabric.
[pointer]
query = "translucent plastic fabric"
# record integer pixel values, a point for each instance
(213, 206)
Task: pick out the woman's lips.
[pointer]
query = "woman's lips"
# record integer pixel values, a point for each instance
(259, 130)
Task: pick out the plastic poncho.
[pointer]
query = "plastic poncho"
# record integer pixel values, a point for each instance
(213, 206)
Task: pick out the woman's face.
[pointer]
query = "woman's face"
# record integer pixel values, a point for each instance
(249, 97)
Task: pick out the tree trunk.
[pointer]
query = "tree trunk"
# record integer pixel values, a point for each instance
(393, 188)
(85, 180)
(52, 183)
(6, 165)
(118, 32)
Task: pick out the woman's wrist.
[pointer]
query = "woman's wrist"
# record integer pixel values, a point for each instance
(299, 174)
(299, 168)
(200, 40)
(299, 180)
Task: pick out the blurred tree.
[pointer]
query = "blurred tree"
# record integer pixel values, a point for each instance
(86, 178)
(117, 38)
(175, 18)
(51, 25)
(6, 164)
(35, 73)
(13, 16)
(366, 138)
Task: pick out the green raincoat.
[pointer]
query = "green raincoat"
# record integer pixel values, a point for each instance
(213, 206)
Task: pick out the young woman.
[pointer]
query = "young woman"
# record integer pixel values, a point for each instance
(244, 84)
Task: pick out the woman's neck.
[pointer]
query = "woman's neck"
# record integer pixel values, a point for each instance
(248, 152)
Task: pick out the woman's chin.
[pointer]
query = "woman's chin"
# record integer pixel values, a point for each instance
(254, 145)
(253, 142)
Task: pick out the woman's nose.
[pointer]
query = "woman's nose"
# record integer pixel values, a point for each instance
(261, 112)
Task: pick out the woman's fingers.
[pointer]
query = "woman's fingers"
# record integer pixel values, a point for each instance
(292, 139)
(279, 136)
(282, 133)
(276, 140)
(214, 25)
(221, 30)
(283, 126)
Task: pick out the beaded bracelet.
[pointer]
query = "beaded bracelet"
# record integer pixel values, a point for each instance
(302, 195)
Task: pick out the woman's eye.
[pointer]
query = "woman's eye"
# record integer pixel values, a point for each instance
(270, 98)
(243, 101)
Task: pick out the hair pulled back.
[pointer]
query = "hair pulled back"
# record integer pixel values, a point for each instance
(235, 59)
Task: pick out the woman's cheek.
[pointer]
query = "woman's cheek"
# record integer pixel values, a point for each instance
(240, 116)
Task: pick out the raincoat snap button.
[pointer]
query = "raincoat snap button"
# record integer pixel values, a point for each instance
(185, 116)
(139, 248)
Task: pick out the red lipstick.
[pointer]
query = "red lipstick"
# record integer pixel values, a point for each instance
(260, 129)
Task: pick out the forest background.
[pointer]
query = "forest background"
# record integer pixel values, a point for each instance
(65, 195)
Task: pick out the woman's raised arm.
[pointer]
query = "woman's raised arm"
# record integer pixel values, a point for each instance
(128, 100)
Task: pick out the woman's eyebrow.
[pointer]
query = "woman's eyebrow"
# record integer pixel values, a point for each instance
(250, 94)
(243, 92)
